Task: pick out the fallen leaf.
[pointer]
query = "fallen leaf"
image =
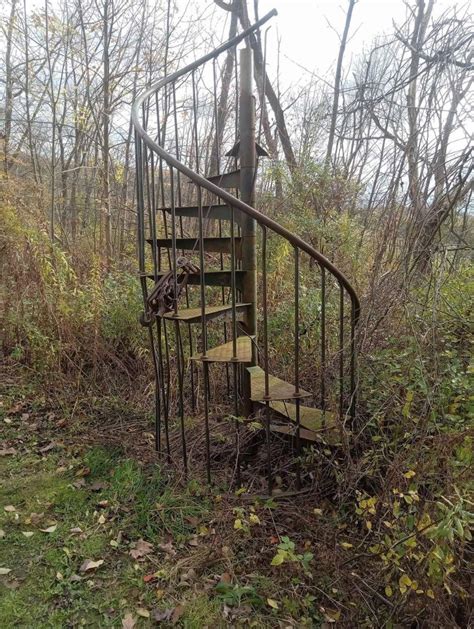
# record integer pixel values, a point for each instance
(178, 611)
(28, 533)
(48, 447)
(76, 530)
(83, 471)
(332, 615)
(128, 622)
(144, 613)
(103, 503)
(5, 571)
(89, 564)
(7, 451)
(9, 509)
(147, 578)
(141, 549)
(98, 486)
(167, 548)
(226, 578)
(187, 576)
(346, 545)
(161, 615)
(49, 529)
(2, 533)
(272, 603)
(101, 519)
(34, 518)
(61, 423)
(7, 420)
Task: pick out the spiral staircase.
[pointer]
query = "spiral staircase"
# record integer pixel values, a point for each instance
(252, 331)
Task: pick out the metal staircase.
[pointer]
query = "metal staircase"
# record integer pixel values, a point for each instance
(207, 262)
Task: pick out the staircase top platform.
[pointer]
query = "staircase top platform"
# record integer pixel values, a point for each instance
(277, 389)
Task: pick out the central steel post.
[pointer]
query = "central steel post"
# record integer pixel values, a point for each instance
(248, 163)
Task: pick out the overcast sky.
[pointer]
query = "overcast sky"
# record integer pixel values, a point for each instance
(307, 28)
(308, 39)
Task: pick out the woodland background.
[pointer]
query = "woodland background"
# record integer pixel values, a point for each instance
(372, 165)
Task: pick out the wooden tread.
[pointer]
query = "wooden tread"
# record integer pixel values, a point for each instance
(194, 315)
(224, 353)
(277, 389)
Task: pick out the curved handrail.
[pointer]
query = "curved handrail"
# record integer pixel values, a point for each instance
(230, 199)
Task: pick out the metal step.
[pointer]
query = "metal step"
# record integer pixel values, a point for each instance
(217, 245)
(194, 315)
(215, 212)
(226, 180)
(277, 389)
(313, 420)
(224, 353)
(212, 278)
(310, 418)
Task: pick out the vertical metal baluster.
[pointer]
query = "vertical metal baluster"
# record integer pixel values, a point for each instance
(203, 290)
(218, 161)
(297, 366)
(174, 255)
(341, 352)
(354, 318)
(161, 372)
(168, 371)
(157, 392)
(161, 142)
(323, 343)
(180, 204)
(265, 361)
(177, 331)
(143, 280)
(163, 337)
(161, 325)
(180, 393)
(177, 149)
(140, 213)
(141, 248)
(151, 217)
(234, 359)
